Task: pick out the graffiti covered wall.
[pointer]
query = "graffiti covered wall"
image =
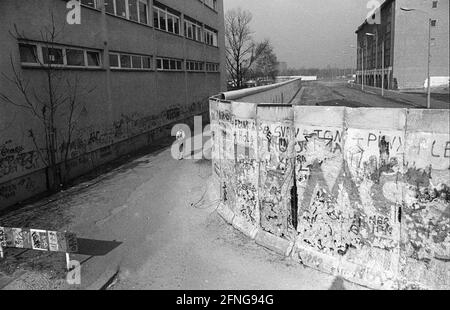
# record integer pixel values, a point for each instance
(22, 172)
(360, 193)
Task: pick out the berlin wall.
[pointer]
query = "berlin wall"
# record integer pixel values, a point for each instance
(359, 193)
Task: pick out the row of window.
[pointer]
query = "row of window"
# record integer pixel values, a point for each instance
(195, 65)
(212, 67)
(193, 30)
(42, 54)
(163, 18)
(168, 20)
(129, 61)
(135, 10)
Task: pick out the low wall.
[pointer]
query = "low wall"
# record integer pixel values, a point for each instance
(360, 193)
(276, 93)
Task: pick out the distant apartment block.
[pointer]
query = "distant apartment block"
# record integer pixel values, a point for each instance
(151, 64)
(404, 36)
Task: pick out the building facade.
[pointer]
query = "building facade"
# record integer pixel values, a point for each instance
(135, 67)
(401, 37)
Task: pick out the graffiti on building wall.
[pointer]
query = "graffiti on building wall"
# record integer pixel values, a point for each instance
(15, 160)
(89, 138)
(11, 189)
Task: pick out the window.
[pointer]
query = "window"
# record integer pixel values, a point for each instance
(164, 20)
(169, 64)
(133, 10)
(193, 29)
(121, 9)
(146, 62)
(114, 60)
(109, 7)
(129, 61)
(435, 4)
(170, 21)
(433, 23)
(28, 53)
(91, 3)
(211, 37)
(75, 57)
(125, 61)
(61, 56)
(93, 59)
(212, 67)
(53, 56)
(143, 12)
(194, 66)
(137, 62)
(211, 4)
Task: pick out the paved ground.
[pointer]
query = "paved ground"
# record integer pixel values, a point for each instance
(340, 94)
(150, 221)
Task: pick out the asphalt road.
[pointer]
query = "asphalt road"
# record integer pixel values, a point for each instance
(340, 94)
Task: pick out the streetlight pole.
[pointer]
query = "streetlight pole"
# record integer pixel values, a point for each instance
(382, 67)
(429, 64)
(429, 53)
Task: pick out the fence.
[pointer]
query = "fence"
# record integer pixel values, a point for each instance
(360, 193)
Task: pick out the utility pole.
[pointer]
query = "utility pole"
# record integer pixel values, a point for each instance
(429, 52)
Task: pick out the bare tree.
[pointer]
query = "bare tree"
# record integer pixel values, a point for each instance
(56, 105)
(266, 66)
(241, 50)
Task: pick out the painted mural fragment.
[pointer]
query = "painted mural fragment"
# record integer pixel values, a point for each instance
(225, 152)
(276, 171)
(342, 174)
(246, 161)
(319, 176)
(425, 253)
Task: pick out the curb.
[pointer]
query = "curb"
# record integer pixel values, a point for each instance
(226, 213)
(245, 227)
(105, 278)
(274, 243)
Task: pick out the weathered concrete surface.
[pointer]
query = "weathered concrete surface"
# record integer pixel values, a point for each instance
(372, 188)
(283, 92)
(276, 168)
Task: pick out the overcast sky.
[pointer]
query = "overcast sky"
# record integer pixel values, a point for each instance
(307, 33)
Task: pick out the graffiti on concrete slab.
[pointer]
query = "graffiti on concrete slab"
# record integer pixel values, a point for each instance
(426, 211)
(246, 168)
(276, 153)
(15, 160)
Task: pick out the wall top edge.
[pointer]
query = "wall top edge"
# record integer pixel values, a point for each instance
(237, 94)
